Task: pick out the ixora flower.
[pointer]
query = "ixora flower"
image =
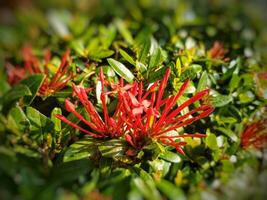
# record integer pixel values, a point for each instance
(109, 127)
(255, 135)
(137, 116)
(33, 66)
(218, 51)
(261, 81)
(15, 74)
(152, 117)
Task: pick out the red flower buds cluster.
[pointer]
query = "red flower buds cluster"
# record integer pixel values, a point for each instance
(33, 66)
(255, 135)
(140, 115)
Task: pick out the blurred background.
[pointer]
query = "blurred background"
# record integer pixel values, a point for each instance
(241, 25)
(26, 20)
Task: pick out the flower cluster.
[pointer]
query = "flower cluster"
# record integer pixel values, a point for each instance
(33, 66)
(140, 116)
(150, 116)
(218, 51)
(255, 135)
(109, 127)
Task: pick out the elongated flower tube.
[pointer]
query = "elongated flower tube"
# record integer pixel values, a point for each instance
(33, 66)
(255, 135)
(109, 126)
(150, 116)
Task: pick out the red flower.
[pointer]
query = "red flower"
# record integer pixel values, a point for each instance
(255, 135)
(109, 127)
(137, 115)
(14, 74)
(218, 51)
(58, 81)
(145, 121)
(33, 66)
(261, 81)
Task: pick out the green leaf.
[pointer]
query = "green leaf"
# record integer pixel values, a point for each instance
(140, 67)
(203, 82)
(112, 148)
(99, 54)
(155, 58)
(40, 125)
(55, 120)
(145, 184)
(81, 149)
(228, 133)
(221, 100)
(8, 164)
(228, 167)
(69, 171)
(234, 82)
(17, 121)
(171, 157)
(121, 70)
(227, 120)
(211, 141)
(127, 57)
(157, 75)
(160, 167)
(34, 83)
(126, 34)
(79, 47)
(246, 97)
(91, 184)
(191, 72)
(13, 95)
(107, 35)
(171, 191)
(143, 50)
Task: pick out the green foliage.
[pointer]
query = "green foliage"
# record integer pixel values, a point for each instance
(43, 158)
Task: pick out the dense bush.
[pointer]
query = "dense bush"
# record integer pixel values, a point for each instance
(132, 100)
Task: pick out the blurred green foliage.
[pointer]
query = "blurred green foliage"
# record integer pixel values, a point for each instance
(40, 158)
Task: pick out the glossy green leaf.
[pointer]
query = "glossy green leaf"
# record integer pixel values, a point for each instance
(17, 121)
(40, 125)
(81, 149)
(246, 97)
(112, 148)
(13, 95)
(155, 58)
(56, 121)
(171, 191)
(99, 54)
(143, 50)
(121, 70)
(127, 57)
(34, 83)
(191, 72)
(211, 141)
(171, 157)
(156, 75)
(203, 82)
(221, 100)
(228, 133)
(234, 82)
